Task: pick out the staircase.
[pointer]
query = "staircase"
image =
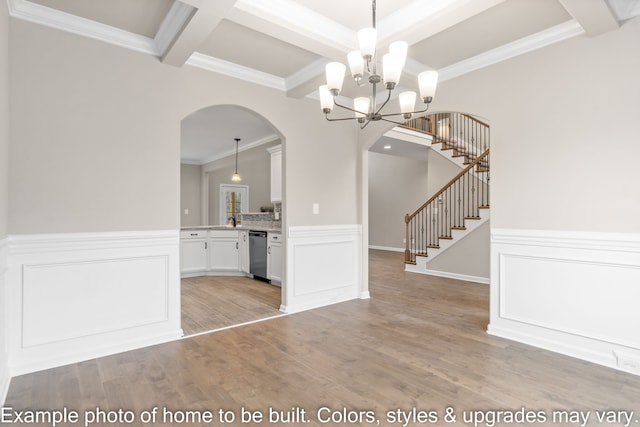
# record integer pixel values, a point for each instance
(462, 205)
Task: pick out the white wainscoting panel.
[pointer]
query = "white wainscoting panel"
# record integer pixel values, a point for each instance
(324, 266)
(576, 293)
(5, 376)
(74, 297)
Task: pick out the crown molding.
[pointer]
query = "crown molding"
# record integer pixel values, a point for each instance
(300, 20)
(241, 72)
(309, 72)
(53, 18)
(536, 41)
(221, 155)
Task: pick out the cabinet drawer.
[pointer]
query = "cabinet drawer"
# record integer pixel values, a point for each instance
(230, 234)
(274, 237)
(193, 234)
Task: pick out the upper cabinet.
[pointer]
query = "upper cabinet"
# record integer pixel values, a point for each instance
(276, 173)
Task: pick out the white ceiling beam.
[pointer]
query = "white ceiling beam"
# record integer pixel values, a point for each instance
(296, 25)
(206, 15)
(594, 16)
(419, 21)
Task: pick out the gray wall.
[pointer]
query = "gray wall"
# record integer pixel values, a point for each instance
(254, 167)
(469, 257)
(190, 195)
(4, 119)
(397, 186)
(564, 133)
(103, 111)
(4, 188)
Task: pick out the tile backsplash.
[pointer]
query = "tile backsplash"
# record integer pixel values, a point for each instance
(260, 219)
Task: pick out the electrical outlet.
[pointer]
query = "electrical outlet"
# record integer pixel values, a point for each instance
(316, 208)
(186, 211)
(628, 362)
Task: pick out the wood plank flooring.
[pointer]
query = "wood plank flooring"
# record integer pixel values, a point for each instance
(215, 302)
(419, 344)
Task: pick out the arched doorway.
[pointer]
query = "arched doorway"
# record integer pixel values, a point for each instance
(404, 167)
(219, 288)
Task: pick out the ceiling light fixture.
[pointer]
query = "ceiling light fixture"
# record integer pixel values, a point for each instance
(363, 66)
(236, 175)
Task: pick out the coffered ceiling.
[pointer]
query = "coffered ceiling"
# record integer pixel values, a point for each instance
(284, 44)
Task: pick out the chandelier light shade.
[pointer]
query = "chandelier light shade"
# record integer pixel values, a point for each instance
(363, 64)
(236, 176)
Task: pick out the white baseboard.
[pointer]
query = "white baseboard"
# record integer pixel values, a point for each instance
(465, 277)
(325, 266)
(386, 248)
(574, 293)
(74, 297)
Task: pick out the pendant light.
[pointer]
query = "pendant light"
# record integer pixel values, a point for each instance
(236, 175)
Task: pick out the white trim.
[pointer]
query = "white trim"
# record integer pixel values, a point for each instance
(301, 20)
(172, 24)
(307, 73)
(386, 248)
(323, 266)
(228, 153)
(57, 19)
(465, 277)
(530, 43)
(572, 292)
(5, 375)
(220, 66)
(129, 295)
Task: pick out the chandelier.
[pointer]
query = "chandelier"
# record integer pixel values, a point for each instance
(363, 66)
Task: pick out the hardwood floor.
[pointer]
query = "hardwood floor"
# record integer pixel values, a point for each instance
(215, 302)
(419, 342)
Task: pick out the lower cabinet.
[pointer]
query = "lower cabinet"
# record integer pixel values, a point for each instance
(243, 240)
(224, 250)
(274, 257)
(209, 252)
(193, 251)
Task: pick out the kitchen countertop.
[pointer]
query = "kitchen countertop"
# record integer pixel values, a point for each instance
(226, 227)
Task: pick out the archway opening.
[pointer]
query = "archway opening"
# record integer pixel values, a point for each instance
(228, 279)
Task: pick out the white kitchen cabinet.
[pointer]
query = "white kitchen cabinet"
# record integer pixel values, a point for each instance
(193, 251)
(224, 250)
(243, 242)
(276, 173)
(274, 257)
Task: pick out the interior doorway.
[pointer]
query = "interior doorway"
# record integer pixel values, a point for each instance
(213, 297)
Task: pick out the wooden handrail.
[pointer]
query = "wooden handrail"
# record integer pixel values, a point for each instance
(408, 217)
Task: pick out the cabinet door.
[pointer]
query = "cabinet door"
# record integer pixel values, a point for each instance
(274, 254)
(276, 174)
(243, 240)
(223, 254)
(193, 255)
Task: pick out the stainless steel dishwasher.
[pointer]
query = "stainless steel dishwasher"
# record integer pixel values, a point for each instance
(258, 254)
